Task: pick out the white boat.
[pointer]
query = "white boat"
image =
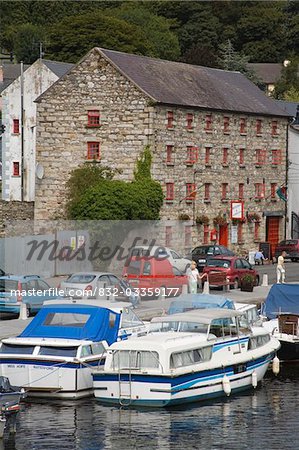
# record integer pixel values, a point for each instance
(211, 356)
(56, 353)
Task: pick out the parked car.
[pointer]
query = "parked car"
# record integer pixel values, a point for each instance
(175, 259)
(203, 253)
(29, 289)
(233, 267)
(103, 285)
(291, 247)
(152, 277)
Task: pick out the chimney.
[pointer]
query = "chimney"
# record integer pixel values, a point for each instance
(1, 74)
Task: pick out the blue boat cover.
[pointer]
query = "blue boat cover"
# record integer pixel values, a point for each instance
(199, 301)
(74, 322)
(282, 298)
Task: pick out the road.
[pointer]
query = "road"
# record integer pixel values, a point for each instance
(292, 272)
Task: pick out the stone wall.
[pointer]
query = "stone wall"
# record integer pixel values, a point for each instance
(12, 212)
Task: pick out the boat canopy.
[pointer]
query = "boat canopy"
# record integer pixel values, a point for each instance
(282, 298)
(199, 301)
(74, 322)
(204, 316)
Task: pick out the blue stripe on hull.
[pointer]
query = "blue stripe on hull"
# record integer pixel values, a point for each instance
(65, 365)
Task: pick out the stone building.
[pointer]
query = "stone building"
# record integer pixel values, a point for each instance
(215, 138)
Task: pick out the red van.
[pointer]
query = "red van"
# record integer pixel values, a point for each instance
(152, 277)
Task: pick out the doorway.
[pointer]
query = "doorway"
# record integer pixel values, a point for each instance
(223, 235)
(272, 233)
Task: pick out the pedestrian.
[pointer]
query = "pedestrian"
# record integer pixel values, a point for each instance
(259, 257)
(280, 269)
(193, 277)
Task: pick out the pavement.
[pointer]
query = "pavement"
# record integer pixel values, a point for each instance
(147, 309)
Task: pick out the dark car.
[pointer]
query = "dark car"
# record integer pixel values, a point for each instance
(291, 247)
(203, 253)
(233, 267)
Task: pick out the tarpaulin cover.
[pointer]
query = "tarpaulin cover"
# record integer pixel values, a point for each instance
(74, 322)
(199, 301)
(282, 298)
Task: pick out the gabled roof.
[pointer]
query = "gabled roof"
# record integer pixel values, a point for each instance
(269, 73)
(59, 68)
(187, 85)
(10, 73)
(289, 107)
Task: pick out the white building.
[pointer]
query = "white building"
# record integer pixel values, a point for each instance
(18, 141)
(293, 178)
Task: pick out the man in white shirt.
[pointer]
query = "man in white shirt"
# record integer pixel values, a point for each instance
(280, 269)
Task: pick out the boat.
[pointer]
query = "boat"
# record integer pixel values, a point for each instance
(56, 353)
(10, 397)
(187, 302)
(210, 356)
(281, 308)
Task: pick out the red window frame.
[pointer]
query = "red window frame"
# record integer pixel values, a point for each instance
(168, 236)
(16, 169)
(276, 157)
(256, 231)
(226, 124)
(192, 154)
(240, 232)
(16, 126)
(170, 118)
(224, 191)
(273, 191)
(243, 126)
(189, 121)
(190, 189)
(208, 122)
(169, 191)
(241, 156)
(274, 128)
(169, 154)
(258, 126)
(93, 150)
(259, 190)
(207, 193)
(206, 234)
(241, 191)
(225, 156)
(188, 235)
(207, 156)
(260, 157)
(93, 118)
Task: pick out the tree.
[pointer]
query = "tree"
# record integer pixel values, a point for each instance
(24, 40)
(287, 86)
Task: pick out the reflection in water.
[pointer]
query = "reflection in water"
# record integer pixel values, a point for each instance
(265, 418)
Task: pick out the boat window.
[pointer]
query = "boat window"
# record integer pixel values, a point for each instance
(81, 278)
(58, 351)
(85, 351)
(133, 359)
(97, 348)
(129, 318)
(17, 349)
(112, 319)
(258, 341)
(66, 320)
(189, 357)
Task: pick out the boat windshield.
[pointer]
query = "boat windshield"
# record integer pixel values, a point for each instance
(193, 327)
(66, 320)
(129, 318)
(17, 349)
(58, 351)
(134, 359)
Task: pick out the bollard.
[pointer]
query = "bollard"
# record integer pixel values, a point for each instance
(162, 293)
(184, 289)
(206, 288)
(23, 311)
(265, 280)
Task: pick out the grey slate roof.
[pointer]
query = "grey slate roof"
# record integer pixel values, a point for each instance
(289, 107)
(186, 85)
(59, 68)
(269, 73)
(10, 73)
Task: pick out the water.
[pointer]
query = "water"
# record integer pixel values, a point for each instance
(263, 419)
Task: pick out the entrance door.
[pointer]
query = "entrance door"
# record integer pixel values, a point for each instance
(223, 235)
(272, 233)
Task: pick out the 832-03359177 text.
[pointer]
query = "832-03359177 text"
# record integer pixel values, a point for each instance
(142, 292)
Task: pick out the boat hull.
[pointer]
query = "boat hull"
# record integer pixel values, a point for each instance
(289, 350)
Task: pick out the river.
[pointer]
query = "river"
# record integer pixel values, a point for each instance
(263, 419)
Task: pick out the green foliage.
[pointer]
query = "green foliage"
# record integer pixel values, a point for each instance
(143, 165)
(288, 85)
(25, 41)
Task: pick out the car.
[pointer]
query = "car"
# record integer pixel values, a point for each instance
(175, 259)
(234, 268)
(99, 285)
(29, 289)
(291, 247)
(203, 253)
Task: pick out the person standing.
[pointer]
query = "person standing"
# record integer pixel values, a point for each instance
(280, 269)
(193, 277)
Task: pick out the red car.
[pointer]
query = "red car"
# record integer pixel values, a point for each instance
(151, 277)
(233, 266)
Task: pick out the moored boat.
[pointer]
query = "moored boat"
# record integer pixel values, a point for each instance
(10, 397)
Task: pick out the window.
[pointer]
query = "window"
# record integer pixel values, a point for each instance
(17, 349)
(224, 190)
(190, 191)
(256, 231)
(189, 121)
(169, 154)
(226, 124)
(169, 191)
(259, 191)
(133, 359)
(273, 191)
(225, 156)
(274, 128)
(190, 357)
(69, 352)
(276, 157)
(241, 191)
(93, 150)
(188, 230)
(170, 119)
(208, 122)
(192, 154)
(260, 157)
(206, 234)
(146, 268)
(168, 236)
(208, 156)
(243, 129)
(240, 232)
(93, 118)
(207, 192)
(16, 169)
(241, 156)
(258, 126)
(16, 126)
